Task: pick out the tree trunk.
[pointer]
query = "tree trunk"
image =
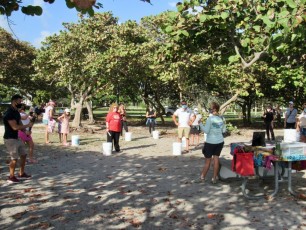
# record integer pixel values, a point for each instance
(90, 112)
(243, 107)
(224, 106)
(76, 123)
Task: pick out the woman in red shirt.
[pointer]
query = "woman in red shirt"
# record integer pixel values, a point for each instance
(113, 126)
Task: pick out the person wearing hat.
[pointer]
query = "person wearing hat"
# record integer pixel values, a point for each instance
(290, 116)
(195, 128)
(185, 120)
(64, 119)
(47, 117)
(15, 147)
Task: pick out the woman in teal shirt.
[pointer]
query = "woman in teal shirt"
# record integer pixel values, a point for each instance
(214, 128)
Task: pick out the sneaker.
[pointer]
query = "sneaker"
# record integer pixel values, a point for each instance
(199, 180)
(12, 180)
(24, 176)
(214, 181)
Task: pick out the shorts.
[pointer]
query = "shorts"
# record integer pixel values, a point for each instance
(183, 131)
(23, 136)
(195, 129)
(303, 131)
(210, 150)
(45, 121)
(15, 148)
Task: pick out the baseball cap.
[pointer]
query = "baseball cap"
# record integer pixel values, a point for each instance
(67, 110)
(291, 102)
(196, 109)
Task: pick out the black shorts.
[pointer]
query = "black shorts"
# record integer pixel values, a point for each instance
(210, 150)
(195, 129)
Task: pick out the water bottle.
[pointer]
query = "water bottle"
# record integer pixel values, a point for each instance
(278, 151)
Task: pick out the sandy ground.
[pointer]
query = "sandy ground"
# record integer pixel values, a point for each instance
(143, 187)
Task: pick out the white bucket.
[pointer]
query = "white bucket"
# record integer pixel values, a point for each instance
(177, 148)
(184, 144)
(128, 136)
(290, 135)
(155, 135)
(75, 140)
(107, 148)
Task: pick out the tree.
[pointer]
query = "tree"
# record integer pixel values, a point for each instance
(240, 32)
(77, 59)
(16, 65)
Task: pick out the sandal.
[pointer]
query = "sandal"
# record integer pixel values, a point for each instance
(199, 180)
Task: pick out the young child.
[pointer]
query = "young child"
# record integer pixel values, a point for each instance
(64, 119)
(25, 135)
(60, 135)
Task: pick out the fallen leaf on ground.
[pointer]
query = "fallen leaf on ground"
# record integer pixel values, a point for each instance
(73, 211)
(162, 169)
(33, 207)
(19, 215)
(55, 216)
(135, 223)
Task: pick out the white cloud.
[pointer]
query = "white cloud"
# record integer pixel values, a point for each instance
(43, 35)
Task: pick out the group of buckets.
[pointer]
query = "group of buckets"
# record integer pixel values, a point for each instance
(177, 147)
(107, 146)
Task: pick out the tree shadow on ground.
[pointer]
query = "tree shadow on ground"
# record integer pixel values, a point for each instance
(86, 190)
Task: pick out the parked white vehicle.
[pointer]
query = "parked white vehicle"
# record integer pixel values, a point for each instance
(169, 110)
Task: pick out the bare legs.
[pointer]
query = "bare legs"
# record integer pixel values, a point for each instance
(47, 135)
(207, 166)
(187, 143)
(13, 163)
(65, 138)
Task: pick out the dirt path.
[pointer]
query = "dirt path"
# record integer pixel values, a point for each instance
(144, 187)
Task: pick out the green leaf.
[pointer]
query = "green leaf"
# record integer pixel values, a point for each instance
(184, 32)
(245, 42)
(169, 29)
(203, 18)
(224, 15)
(256, 28)
(172, 14)
(234, 58)
(283, 14)
(291, 3)
(293, 36)
(266, 20)
(38, 10)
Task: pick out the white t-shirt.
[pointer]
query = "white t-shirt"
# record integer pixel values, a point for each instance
(25, 121)
(197, 119)
(302, 119)
(183, 117)
(47, 112)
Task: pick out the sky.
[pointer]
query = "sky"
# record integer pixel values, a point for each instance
(34, 29)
